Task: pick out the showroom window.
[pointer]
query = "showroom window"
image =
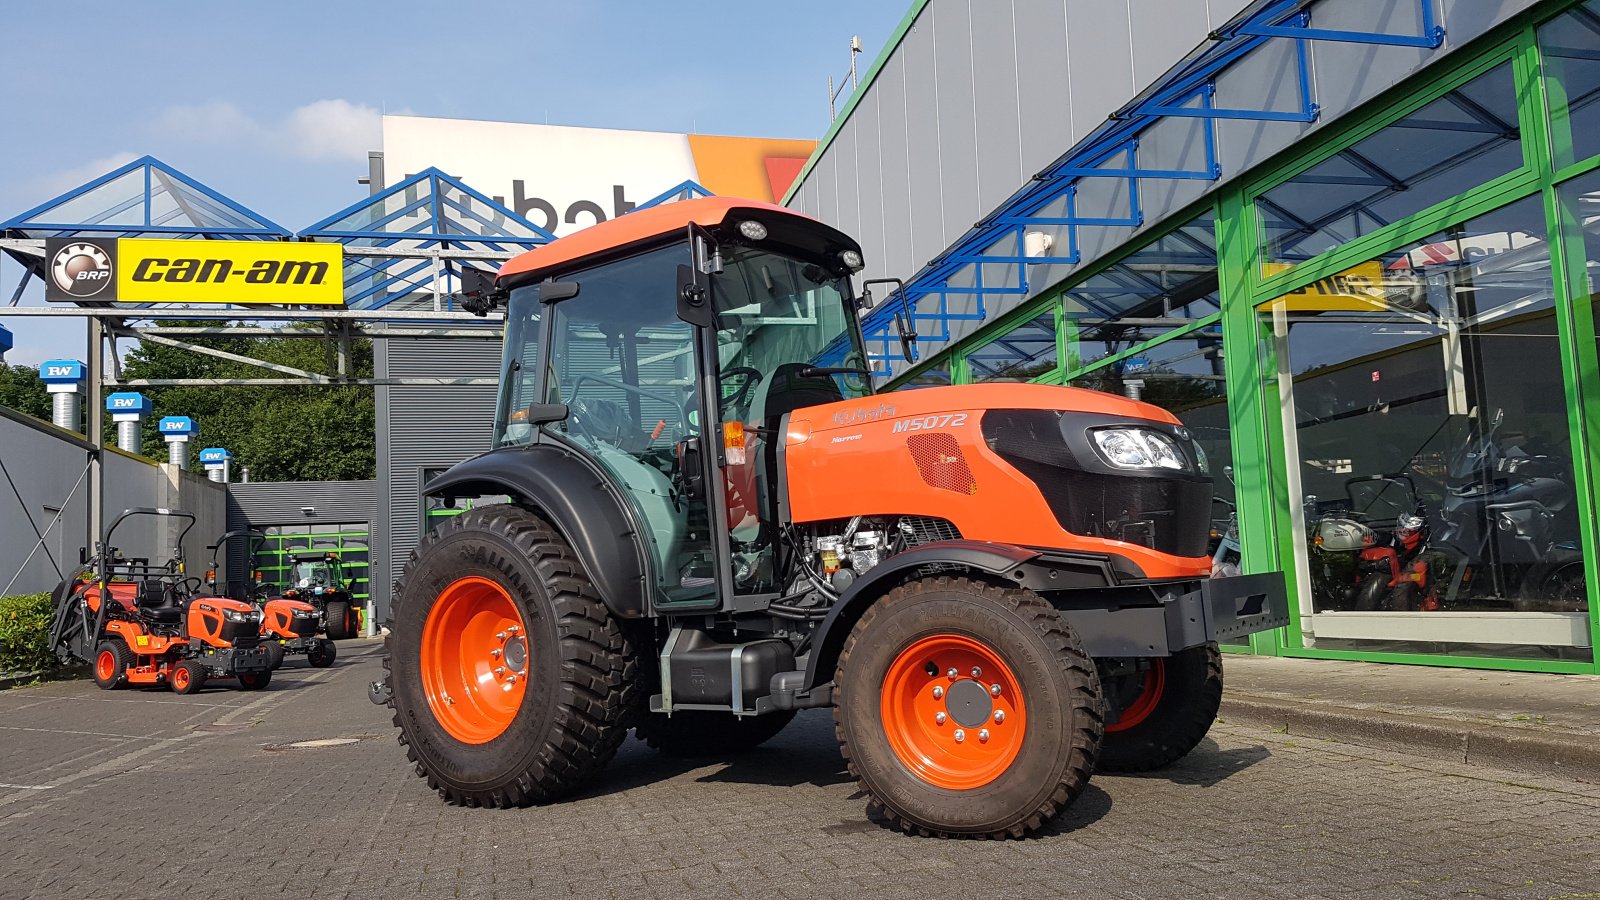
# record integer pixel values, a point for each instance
(1569, 47)
(1465, 138)
(1021, 354)
(1427, 448)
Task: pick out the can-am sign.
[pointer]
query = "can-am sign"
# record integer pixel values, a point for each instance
(147, 270)
(563, 178)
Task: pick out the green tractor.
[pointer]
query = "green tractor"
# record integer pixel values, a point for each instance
(318, 579)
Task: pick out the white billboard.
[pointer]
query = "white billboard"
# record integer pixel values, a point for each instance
(564, 178)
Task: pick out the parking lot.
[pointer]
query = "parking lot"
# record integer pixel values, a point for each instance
(148, 794)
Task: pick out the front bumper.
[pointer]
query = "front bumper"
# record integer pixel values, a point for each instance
(1189, 614)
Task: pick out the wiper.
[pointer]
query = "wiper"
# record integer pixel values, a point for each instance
(815, 371)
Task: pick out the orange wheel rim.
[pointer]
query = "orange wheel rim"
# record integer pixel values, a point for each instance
(475, 660)
(105, 665)
(953, 711)
(180, 678)
(1155, 684)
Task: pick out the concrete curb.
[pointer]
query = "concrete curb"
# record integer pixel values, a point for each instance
(1501, 746)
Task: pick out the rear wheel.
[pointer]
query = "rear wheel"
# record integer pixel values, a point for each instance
(967, 709)
(111, 662)
(702, 733)
(255, 681)
(511, 682)
(321, 654)
(1164, 710)
(339, 620)
(187, 677)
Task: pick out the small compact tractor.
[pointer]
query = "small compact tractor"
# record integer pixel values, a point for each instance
(142, 624)
(715, 521)
(288, 626)
(318, 579)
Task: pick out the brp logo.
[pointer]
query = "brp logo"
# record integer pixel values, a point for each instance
(81, 269)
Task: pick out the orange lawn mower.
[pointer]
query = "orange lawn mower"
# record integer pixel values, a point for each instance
(141, 624)
(288, 625)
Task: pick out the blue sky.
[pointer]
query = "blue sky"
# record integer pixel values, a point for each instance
(276, 104)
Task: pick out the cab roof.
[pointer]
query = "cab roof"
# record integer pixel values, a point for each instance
(646, 225)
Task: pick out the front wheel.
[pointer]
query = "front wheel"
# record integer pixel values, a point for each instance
(187, 677)
(321, 654)
(274, 651)
(255, 681)
(111, 661)
(1162, 707)
(511, 682)
(966, 709)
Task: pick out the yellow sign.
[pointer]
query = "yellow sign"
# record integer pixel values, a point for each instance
(241, 272)
(1362, 288)
(142, 640)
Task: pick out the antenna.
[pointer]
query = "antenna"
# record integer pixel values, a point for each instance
(855, 81)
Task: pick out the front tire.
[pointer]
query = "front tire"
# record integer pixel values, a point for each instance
(967, 710)
(696, 733)
(187, 677)
(1164, 710)
(322, 654)
(111, 662)
(255, 681)
(472, 586)
(274, 651)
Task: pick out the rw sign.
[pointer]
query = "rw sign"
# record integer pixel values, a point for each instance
(142, 270)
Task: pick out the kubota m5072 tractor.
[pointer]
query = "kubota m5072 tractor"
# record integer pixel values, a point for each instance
(714, 521)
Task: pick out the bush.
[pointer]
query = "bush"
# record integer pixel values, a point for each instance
(25, 633)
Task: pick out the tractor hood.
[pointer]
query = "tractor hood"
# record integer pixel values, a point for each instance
(1010, 463)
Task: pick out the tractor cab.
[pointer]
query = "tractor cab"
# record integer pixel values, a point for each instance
(670, 361)
(315, 573)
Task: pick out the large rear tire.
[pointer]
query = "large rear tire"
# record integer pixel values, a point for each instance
(476, 735)
(111, 661)
(696, 733)
(336, 613)
(967, 709)
(1164, 712)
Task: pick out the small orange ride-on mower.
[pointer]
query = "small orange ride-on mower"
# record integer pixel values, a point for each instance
(288, 625)
(318, 579)
(142, 624)
(714, 521)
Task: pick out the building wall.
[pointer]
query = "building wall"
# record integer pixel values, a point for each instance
(47, 466)
(978, 96)
(423, 427)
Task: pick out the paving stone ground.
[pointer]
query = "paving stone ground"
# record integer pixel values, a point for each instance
(148, 794)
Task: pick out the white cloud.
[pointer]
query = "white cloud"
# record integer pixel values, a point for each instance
(333, 129)
(56, 183)
(322, 130)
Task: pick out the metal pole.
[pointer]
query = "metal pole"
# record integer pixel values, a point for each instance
(96, 435)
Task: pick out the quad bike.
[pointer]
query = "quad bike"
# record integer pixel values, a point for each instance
(142, 624)
(318, 579)
(288, 625)
(715, 522)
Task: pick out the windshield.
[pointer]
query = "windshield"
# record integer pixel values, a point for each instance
(312, 574)
(518, 366)
(779, 316)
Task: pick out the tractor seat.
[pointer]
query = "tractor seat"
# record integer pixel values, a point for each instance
(156, 605)
(161, 615)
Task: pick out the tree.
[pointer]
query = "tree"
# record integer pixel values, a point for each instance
(21, 390)
(283, 433)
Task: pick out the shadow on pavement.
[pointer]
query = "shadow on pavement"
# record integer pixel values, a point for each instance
(1206, 765)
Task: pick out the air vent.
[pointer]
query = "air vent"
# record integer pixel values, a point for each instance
(941, 463)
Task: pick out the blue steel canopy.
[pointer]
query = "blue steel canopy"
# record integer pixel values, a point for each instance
(429, 211)
(145, 198)
(1049, 200)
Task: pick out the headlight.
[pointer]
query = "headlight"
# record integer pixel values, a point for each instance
(852, 260)
(1138, 448)
(233, 615)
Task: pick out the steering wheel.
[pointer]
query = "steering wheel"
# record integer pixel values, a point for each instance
(603, 420)
(741, 397)
(673, 403)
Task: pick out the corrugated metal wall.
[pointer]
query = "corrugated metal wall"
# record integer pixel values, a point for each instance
(263, 504)
(423, 427)
(979, 95)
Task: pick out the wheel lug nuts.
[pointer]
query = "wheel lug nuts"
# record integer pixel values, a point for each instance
(937, 692)
(952, 674)
(495, 652)
(994, 690)
(511, 678)
(499, 670)
(938, 718)
(499, 635)
(983, 736)
(514, 629)
(999, 716)
(960, 735)
(977, 672)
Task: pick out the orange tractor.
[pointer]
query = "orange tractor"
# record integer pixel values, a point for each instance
(715, 521)
(289, 625)
(141, 624)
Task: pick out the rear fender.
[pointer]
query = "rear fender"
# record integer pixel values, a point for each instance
(579, 500)
(1009, 564)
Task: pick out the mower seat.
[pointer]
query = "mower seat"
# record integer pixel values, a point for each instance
(155, 602)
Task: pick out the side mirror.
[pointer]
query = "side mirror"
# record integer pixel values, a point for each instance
(904, 323)
(908, 335)
(691, 469)
(546, 413)
(478, 292)
(694, 298)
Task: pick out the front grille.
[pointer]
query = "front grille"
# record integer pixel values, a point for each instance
(919, 530)
(1170, 515)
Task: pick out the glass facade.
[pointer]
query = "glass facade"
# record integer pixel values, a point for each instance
(1391, 362)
